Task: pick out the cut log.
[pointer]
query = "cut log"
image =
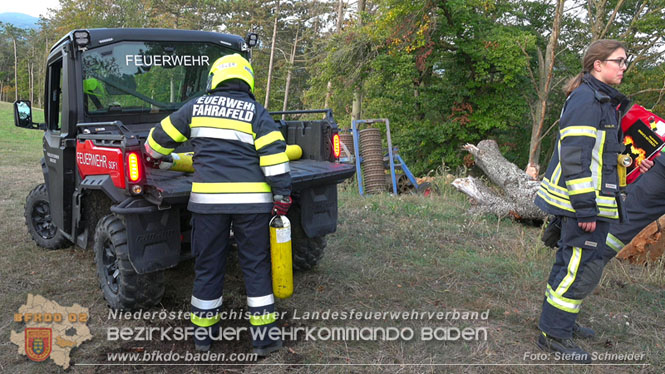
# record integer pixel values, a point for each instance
(647, 246)
(516, 190)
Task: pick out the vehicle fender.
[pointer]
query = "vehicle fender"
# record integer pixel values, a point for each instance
(318, 210)
(153, 235)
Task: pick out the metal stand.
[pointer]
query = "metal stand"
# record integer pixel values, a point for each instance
(355, 127)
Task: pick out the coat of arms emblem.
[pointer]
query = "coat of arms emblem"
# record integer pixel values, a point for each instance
(38, 343)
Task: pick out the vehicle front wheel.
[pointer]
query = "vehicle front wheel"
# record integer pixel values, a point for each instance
(40, 224)
(122, 286)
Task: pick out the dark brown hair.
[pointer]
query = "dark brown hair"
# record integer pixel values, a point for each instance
(598, 50)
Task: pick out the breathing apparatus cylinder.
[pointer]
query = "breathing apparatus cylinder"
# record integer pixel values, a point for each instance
(280, 254)
(184, 161)
(180, 162)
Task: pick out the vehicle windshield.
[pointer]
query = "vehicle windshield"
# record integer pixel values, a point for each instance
(153, 77)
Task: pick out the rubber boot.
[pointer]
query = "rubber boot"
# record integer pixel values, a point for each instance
(566, 349)
(583, 332)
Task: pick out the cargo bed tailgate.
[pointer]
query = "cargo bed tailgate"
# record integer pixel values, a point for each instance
(174, 187)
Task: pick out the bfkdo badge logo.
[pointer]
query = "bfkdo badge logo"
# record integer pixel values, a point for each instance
(38, 343)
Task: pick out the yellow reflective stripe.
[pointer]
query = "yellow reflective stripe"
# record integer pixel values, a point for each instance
(222, 123)
(557, 174)
(555, 201)
(578, 131)
(580, 186)
(573, 266)
(554, 189)
(606, 205)
(252, 187)
(156, 147)
(171, 131)
(262, 320)
(562, 303)
(203, 321)
(614, 242)
(268, 139)
(275, 159)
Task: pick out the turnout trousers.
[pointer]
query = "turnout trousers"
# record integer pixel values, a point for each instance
(210, 246)
(579, 264)
(644, 204)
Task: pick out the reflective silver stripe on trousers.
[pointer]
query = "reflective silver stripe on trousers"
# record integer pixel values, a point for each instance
(614, 242)
(573, 308)
(209, 132)
(256, 302)
(206, 304)
(269, 171)
(230, 198)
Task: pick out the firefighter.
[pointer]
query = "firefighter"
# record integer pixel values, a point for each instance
(241, 176)
(581, 186)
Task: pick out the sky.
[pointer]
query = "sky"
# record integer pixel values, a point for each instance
(31, 7)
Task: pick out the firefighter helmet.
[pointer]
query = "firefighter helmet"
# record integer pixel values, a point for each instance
(231, 67)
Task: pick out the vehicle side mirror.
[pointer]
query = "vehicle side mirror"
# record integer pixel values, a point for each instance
(23, 115)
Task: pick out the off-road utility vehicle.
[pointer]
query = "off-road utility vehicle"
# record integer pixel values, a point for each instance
(105, 89)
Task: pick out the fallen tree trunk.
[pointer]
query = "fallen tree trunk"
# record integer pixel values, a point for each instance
(516, 190)
(647, 246)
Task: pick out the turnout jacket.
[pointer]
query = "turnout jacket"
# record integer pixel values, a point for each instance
(581, 180)
(239, 152)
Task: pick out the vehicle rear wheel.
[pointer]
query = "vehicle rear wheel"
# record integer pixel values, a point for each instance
(307, 252)
(123, 288)
(40, 224)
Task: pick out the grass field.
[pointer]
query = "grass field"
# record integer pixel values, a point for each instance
(407, 253)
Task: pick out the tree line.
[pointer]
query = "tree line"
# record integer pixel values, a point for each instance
(444, 72)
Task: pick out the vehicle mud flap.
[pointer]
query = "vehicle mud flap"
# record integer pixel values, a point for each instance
(318, 208)
(153, 235)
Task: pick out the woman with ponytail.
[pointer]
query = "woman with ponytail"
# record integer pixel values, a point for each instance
(581, 186)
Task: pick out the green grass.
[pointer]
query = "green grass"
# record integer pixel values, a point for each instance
(389, 254)
(18, 143)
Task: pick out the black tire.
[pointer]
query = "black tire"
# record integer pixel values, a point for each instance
(38, 219)
(307, 252)
(123, 288)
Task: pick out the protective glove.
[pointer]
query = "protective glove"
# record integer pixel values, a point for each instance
(281, 205)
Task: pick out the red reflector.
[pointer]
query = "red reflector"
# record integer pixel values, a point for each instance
(336, 146)
(133, 167)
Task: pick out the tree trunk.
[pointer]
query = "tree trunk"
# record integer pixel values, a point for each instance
(290, 73)
(340, 19)
(544, 87)
(518, 190)
(647, 246)
(15, 71)
(272, 56)
(356, 108)
(31, 67)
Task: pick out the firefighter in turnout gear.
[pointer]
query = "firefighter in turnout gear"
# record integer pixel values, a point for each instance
(581, 186)
(241, 175)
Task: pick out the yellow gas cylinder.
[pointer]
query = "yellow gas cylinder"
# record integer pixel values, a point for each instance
(293, 152)
(183, 162)
(280, 256)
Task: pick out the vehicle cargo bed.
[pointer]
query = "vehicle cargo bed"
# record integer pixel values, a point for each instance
(175, 186)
